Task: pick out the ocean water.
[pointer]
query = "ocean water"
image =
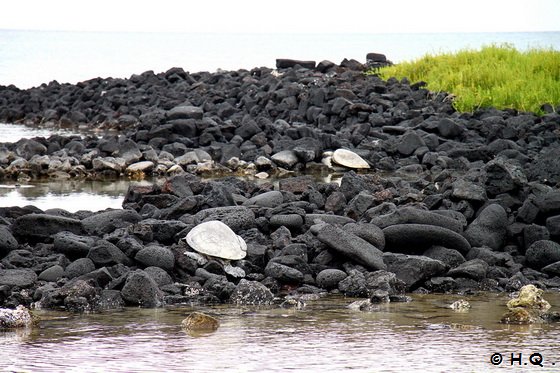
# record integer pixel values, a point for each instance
(30, 58)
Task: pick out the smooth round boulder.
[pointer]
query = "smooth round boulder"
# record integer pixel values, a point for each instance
(272, 198)
(411, 215)
(489, 228)
(330, 277)
(52, 273)
(418, 237)
(156, 256)
(216, 239)
(369, 232)
(542, 253)
(349, 159)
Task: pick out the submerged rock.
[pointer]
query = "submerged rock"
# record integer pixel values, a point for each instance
(216, 239)
(293, 303)
(363, 305)
(460, 305)
(528, 307)
(21, 317)
(201, 322)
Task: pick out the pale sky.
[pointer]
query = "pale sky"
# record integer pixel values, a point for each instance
(283, 16)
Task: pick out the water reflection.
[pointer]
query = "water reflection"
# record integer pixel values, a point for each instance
(75, 195)
(16, 132)
(325, 336)
(70, 195)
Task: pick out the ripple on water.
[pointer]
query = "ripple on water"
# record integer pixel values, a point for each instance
(325, 336)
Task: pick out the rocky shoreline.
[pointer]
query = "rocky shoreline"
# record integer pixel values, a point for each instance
(439, 202)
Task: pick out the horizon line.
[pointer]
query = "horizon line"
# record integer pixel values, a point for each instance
(276, 32)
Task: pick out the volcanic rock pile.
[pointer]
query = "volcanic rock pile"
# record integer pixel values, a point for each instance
(451, 203)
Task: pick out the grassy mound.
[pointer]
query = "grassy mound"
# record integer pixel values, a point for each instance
(496, 76)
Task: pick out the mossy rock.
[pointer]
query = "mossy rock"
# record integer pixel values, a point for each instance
(530, 297)
(520, 316)
(200, 322)
(528, 307)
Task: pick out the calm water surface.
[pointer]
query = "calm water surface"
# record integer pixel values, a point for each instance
(15, 132)
(325, 336)
(70, 195)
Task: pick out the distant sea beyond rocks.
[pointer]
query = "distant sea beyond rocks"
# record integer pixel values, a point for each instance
(430, 200)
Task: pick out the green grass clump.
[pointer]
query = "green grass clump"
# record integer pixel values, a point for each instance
(496, 76)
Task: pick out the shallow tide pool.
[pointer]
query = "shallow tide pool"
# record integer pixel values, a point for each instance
(325, 336)
(15, 132)
(70, 195)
